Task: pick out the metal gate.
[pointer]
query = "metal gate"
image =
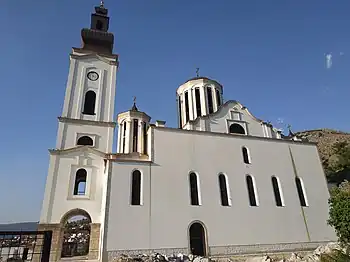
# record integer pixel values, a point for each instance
(25, 246)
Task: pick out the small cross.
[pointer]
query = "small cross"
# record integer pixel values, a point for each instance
(134, 99)
(197, 71)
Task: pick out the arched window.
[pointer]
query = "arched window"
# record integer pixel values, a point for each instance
(246, 157)
(301, 192)
(197, 239)
(251, 191)
(198, 102)
(89, 104)
(210, 100)
(135, 135)
(85, 141)
(187, 107)
(123, 136)
(180, 112)
(218, 98)
(136, 188)
(237, 129)
(80, 182)
(277, 191)
(194, 189)
(223, 190)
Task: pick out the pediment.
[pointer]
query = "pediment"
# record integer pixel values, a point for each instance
(83, 150)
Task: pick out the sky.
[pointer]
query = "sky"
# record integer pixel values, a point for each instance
(286, 61)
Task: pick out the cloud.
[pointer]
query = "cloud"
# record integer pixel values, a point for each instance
(328, 60)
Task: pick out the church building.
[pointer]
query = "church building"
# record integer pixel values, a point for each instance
(221, 183)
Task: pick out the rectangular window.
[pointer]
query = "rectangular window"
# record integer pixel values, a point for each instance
(198, 102)
(145, 138)
(135, 135)
(210, 100)
(187, 108)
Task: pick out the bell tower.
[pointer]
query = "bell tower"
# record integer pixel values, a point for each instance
(76, 183)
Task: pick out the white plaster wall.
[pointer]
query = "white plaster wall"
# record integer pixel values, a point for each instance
(78, 84)
(163, 220)
(128, 226)
(59, 187)
(68, 134)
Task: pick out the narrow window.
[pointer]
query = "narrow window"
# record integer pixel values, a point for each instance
(223, 190)
(236, 129)
(136, 188)
(89, 104)
(218, 98)
(198, 102)
(300, 189)
(99, 25)
(124, 136)
(180, 112)
(245, 155)
(194, 189)
(277, 192)
(187, 108)
(210, 100)
(251, 191)
(80, 182)
(85, 141)
(145, 138)
(135, 135)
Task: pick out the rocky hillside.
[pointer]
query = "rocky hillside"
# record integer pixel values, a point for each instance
(325, 139)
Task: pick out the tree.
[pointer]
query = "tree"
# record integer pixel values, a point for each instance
(337, 166)
(339, 212)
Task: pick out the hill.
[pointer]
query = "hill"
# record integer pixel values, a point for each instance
(26, 226)
(326, 139)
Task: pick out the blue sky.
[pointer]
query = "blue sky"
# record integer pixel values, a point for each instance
(269, 55)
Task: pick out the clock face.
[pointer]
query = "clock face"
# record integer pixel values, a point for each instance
(93, 76)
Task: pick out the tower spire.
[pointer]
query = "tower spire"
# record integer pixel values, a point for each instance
(134, 107)
(97, 38)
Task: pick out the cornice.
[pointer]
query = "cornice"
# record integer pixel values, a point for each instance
(131, 157)
(79, 53)
(208, 133)
(86, 122)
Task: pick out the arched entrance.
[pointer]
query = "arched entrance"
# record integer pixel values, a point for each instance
(237, 129)
(197, 239)
(76, 233)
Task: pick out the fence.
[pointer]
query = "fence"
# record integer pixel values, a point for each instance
(25, 246)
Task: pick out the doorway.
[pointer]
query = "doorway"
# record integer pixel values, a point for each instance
(197, 239)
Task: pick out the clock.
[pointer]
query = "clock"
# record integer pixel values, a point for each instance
(93, 76)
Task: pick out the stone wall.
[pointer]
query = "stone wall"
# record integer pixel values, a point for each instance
(57, 238)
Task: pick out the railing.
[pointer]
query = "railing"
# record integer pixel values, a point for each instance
(25, 246)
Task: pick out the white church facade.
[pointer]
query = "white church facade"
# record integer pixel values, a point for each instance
(222, 183)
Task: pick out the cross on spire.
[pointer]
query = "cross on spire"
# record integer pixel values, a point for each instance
(134, 107)
(197, 71)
